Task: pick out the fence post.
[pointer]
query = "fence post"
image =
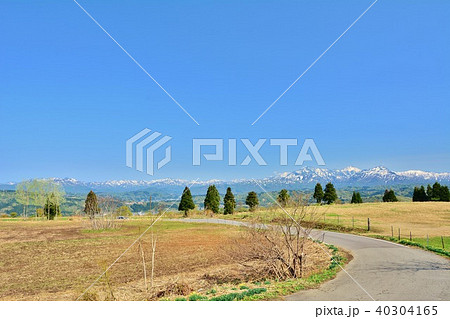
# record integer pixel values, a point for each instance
(410, 236)
(368, 224)
(353, 222)
(392, 231)
(399, 233)
(428, 242)
(442, 240)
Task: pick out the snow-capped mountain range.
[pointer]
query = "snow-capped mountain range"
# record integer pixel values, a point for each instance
(303, 178)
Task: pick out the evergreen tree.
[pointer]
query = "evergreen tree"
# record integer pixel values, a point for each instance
(356, 198)
(392, 196)
(386, 196)
(353, 201)
(91, 205)
(252, 201)
(423, 195)
(318, 193)
(429, 192)
(186, 202)
(229, 202)
(444, 194)
(283, 197)
(330, 195)
(51, 207)
(419, 194)
(436, 192)
(389, 196)
(212, 199)
(416, 196)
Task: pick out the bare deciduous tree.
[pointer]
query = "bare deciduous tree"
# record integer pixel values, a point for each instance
(153, 258)
(108, 206)
(279, 250)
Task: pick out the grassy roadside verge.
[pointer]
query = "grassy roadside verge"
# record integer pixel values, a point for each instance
(270, 290)
(438, 251)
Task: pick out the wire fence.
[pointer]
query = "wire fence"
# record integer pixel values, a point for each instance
(396, 232)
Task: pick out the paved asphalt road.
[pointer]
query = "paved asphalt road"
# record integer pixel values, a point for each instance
(387, 271)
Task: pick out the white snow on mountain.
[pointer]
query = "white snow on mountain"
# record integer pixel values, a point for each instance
(424, 175)
(304, 177)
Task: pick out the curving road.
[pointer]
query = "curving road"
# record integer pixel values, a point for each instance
(387, 271)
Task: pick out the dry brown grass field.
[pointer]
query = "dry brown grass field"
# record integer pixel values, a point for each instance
(419, 218)
(58, 260)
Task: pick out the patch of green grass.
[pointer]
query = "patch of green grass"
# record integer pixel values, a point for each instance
(415, 243)
(239, 296)
(325, 275)
(435, 242)
(243, 287)
(211, 292)
(196, 297)
(180, 299)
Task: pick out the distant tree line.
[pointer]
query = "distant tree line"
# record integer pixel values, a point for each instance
(435, 193)
(329, 196)
(212, 201)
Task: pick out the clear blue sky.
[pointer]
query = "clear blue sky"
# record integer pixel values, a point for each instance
(69, 97)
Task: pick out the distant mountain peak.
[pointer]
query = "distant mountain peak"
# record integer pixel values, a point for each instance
(379, 169)
(305, 177)
(351, 169)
